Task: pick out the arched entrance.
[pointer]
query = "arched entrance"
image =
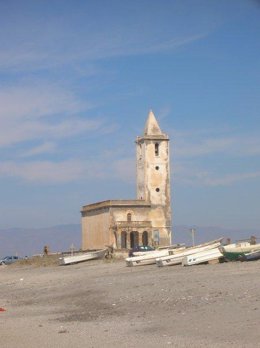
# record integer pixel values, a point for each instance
(145, 238)
(123, 239)
(134, 239)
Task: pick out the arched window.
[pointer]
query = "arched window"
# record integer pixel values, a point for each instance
(156, 149)
(134, 239)
(123, 239)
(145, 238)
(129, 217)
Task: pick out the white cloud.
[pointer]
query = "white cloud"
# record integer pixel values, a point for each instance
(33, 101)
(46, 171)
(193, 144)
(59, 172)
(44, 112)
(30, 43)
(164, 113)
(230, 179)
(192, 175)
(201, 147)
(124, 169)
(194, 157)
(19, 59)
(106, 166)
(34, 54)
(47, 147)
(248, 146)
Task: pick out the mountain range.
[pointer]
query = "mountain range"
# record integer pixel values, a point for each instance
(30, 241)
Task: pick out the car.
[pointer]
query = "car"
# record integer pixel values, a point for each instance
(139, 250)
(7, 260)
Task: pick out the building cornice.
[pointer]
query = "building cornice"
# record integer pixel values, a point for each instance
(138, 203)
(162, 137)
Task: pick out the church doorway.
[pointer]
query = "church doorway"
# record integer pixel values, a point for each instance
(123, 239)
(134, 239)
(145, 238)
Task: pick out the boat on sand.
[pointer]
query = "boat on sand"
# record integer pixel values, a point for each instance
(233, 252)
(147, 259)
(253, 256)
(176, 258)
(202, 257)
(84, 256)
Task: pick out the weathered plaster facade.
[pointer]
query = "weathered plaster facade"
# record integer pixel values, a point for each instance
(146, 220)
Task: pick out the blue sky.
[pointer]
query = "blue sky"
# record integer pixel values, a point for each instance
(77, 79)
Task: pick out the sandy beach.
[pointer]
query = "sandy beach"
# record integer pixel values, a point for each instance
(106, 304)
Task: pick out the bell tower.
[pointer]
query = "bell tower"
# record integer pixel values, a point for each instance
(153, 178)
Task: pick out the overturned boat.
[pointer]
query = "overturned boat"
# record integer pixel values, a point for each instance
(177, 258)
(83, 256)
(148, 259)
(202, 257)
(253, 256)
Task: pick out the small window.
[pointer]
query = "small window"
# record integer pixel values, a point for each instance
(156, 149)
(157, 189)
(129, 217)
(157, 167)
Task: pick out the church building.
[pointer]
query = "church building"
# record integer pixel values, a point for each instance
(145, 220)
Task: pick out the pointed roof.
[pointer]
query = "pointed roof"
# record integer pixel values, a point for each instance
(151, 126)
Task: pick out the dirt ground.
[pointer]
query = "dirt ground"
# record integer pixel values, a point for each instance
(102, 304)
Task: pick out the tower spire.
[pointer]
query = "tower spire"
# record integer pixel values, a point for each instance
(152, 126)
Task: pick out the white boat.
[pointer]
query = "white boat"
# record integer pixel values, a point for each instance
(202, 257)
(172, 246)
(147, 259)
(168, 247)
(176, 258)
(81, 257)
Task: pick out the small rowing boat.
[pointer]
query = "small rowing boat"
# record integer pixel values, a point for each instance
(81, 257)
(253, 256)
(233, 252)
(202, 257)
(176, 258)
(148, 259)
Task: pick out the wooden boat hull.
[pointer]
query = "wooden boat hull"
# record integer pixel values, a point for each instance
(148, 259)
(234, 252)
(232, 256)
(202, 257)
(253, 256)
(161, 262)
(91, 255)
(177, 258)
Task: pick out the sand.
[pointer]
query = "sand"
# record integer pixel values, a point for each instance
(102, 304)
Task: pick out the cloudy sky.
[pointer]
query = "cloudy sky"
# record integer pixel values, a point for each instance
(77, 79)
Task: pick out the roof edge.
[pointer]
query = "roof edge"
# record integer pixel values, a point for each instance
(116, 203)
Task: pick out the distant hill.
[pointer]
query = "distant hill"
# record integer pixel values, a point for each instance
(31, 241)
(182, 234)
